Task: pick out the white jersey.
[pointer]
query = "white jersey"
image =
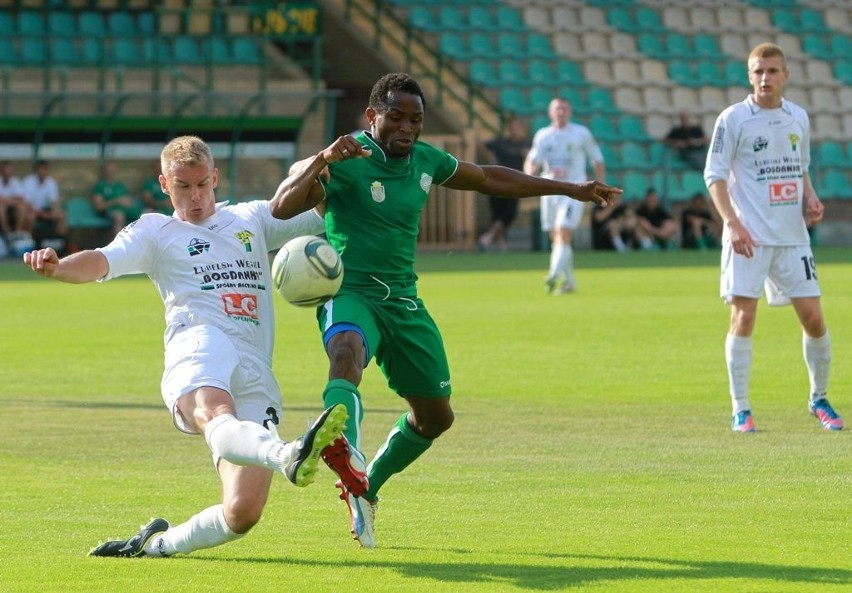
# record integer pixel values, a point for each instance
(763, 155)
(213, 273)
(13, 188)
(564, 153)
(39, 194)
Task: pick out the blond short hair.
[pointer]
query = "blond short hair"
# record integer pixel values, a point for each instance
(185, 150)
(767, 50)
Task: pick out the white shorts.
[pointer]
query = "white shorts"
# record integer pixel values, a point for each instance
(204, 356)
(560, 212)
(783, 273)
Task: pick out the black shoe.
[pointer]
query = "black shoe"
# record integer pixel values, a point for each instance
(301, 456)
(133, 547)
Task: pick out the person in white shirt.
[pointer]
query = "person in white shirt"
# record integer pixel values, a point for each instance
(11, 201)
(562, 151)
(210, 264)
(41, 194)
(757, 175)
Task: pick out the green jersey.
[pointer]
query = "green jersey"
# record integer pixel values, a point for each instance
(373, 215)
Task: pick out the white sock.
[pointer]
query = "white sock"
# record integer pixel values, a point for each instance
(205, 530)
(241, 443)
(817, 352)
(618, 243)
(555, 260)
(566, 263)
(738, 359)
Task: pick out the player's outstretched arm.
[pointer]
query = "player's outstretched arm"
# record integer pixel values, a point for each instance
(510, 183)
(77, 268)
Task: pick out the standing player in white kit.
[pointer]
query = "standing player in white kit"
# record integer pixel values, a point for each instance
(210, 264)
(562, 151)
(757, 174)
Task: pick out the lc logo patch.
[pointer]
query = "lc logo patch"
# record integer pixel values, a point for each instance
(241, 306)
(783, 193)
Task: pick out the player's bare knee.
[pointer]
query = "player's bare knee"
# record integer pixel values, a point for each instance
(242, 514)
(434, 425)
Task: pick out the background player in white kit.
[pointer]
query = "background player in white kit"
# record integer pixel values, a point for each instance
(210, 265)
(562, 151)
(757, 174)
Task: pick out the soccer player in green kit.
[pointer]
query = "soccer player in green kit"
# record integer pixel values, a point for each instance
(375, 185)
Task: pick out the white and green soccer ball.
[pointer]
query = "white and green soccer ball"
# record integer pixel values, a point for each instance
(307, 271)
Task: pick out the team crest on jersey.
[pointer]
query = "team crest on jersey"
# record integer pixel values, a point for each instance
(794, 141)
(425, 182)
(245, 238)
(760, 143)
(197, 247)
(377, 190)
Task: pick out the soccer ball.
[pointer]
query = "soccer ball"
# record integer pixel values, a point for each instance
(307, 271)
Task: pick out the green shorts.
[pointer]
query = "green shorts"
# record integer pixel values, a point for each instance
(402, 336)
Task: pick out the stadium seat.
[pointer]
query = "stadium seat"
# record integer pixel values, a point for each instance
(90, 22)
(451, 18)
(509, 45)
(734, 73)
(679, 47)
(648, 19)
(680, 71)
(514, 100)
(8, 53)
(652, 46)
(840, 47)
(574, 96)
(600, 100)
(510, 72)
(7, 25)
(479, 18)
(186, 50)
(631, 127)
(91, 50)
(482, 73)
(481, 45)
(707, 73)
(603, 129)
(82, 214)
(155, 51)
(843, 71)
(621, 19)
(611, 158)
(540, 98)
(539, 122)
(811, 21)
(636, 183)
(540, 72)
(453, 45)
(785, 20)
(32, 51)
(635, 156)
(61, 22)
(30, 22)
(246, 50)
(692, 182)
(831, 154)
(422, 17)
(707, 46)
(509, 19)
(539, 46)
(126, 51)
(146, 22)
(220, 50)
(815, 46)
(835, 184)
(120, 22)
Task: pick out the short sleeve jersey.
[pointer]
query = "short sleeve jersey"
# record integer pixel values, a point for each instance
(564, 153)
(763, 155)
(40, 194)
(373, 214)
(11, 188)
(213, 273)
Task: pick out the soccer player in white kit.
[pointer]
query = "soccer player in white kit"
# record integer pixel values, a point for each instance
(210, 265)
(757, 175)
(562, 151)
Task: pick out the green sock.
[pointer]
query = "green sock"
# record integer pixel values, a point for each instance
(341, 391)
(402, 447)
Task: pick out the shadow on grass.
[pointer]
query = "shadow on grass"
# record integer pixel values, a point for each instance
(574, 574)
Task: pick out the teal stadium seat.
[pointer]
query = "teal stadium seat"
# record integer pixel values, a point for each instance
(451, 18)
(155, 51)
(509, 19)
(611, 158)
(812, 21)
(835, 184)
(479, 18)
(90, 23)
(709, 74)
(540, 98)
(600, 101)
(569, 73)
(631, 127)
(539, 122)
(482, 73)
(540, 72)
(843, 71)
(707, 46)
(7, 25)
(220, 50)
(186, 50)
(692, 182)
(656, 155)
(30, 22)
(246, 50)
(8, 53)
(33, 51)
(81, 214)
(652, 46)
(539, 46)
(513, 100)
(816, 46)
(125, 51)
(681, 72)
(63, 51)
(648, 19)
(146, 22)
(840, 46)
(636, 183)
(510, 72)
(509, 45)
(60, 22)
(423, 18)
(635, 156)
(91, 50)
(679, 47)
(621, 19)
(603, 129)
(120, 22)
(453, 45)
(734, 73)
(831, 154)
(575, 97)
(481, 45)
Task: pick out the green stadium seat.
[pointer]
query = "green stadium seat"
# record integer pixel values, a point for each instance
(246, 50)
(509, 19)
(423, 18)
(679, 46)
(8, 53)
(453, 45)
(636, 183)
(514, 100)
(539, 46)
(603, 129)
(81, 214)
(734, 73)
(692, 182)
(125, 51)
(569, 73)
(621, 19)
(146, 22)
(652, 46)
(155, 51)
(482, 73)
(575, 97)
(63, 51)
(611, 158)
(815, 46)
(91, 50)
(33, 51)
(707, 46)
(510, 72)
(635, 156)
(843, 71)
(631, 127)
(30, 22)
(849, 151)
(840, 46)
(120, 22)
(656, 154)
(451, 18)
(220, 50)
(481, 45)
(600, 100)
(831, 154)
(60, 22)
(708, 73)
(509, 45)
(186, 50)
(7, 25)
(681, 72)
(540, 72)
(540, 98)
(648, 19)
(479, 18)
(835, 184)
(811, 21)
(90, 23)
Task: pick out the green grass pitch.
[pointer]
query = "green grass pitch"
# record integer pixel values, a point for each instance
(591, 450)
